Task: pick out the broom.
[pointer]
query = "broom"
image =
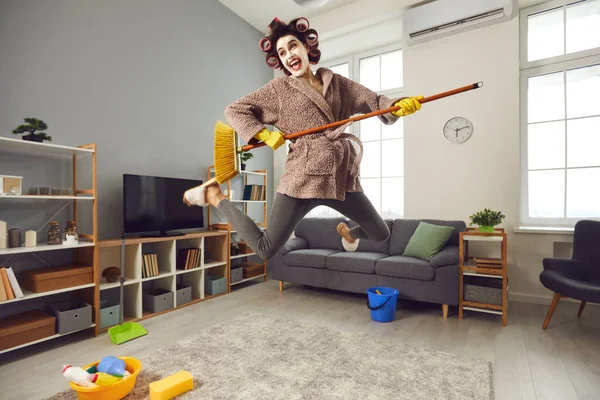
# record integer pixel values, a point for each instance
(226, 148)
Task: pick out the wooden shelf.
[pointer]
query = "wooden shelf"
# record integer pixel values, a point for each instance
(45, 339)
(468, 267)
(84, 252)
(28, 147)
(248, 279)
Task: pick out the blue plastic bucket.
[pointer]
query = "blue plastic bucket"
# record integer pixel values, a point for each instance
(382, 306)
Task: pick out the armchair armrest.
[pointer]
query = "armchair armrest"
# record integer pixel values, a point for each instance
(447, 256)
(296, 243)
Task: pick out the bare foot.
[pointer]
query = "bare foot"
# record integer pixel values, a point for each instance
(344, 231)
(214, 195)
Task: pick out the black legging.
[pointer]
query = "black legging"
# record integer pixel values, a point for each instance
(287, 212)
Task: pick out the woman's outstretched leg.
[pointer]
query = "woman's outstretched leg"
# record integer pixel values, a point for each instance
(284, 216)
(359, 209)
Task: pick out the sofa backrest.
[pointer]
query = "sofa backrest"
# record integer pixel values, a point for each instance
(403, 229)
(371, 245)
(320, 233)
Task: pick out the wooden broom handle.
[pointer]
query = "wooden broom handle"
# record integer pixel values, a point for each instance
(369, 115)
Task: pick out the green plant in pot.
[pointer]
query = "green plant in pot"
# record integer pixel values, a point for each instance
(245, 156)
(487, 219)
(31, 126)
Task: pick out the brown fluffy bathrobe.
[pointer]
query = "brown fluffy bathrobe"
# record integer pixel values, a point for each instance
(321, 165)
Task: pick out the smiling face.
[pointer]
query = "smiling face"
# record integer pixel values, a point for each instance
(293, 55)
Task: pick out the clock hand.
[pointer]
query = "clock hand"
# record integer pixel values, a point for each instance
(458, 129)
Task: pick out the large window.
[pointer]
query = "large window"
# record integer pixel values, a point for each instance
(382, 165)
(560, 113)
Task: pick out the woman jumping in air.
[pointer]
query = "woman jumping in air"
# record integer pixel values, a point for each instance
(321, 168)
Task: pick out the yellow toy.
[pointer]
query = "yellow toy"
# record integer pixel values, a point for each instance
(171, 386)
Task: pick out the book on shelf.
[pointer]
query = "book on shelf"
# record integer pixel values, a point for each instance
(488, 262)
(188, 258)
(150, 267)
(9, 286)
(255, 192)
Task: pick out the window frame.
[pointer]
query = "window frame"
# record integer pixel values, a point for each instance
(353, 61)
(540, 67)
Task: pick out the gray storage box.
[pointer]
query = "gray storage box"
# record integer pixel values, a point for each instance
(214, 284)
(483, 290)
(237, 274)
(157, 300)
(109, 314)
(183, 294)
(72, 315)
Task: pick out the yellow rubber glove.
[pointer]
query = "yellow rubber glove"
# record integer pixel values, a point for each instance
(409, 105)
(271, 139)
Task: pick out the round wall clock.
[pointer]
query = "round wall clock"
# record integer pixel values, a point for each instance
(458, 130)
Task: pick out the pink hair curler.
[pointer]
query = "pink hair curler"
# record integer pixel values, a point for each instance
(312, 37)
(265, 44)
(302, 25)
(272, 61)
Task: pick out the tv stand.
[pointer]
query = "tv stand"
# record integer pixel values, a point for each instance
(163, 234)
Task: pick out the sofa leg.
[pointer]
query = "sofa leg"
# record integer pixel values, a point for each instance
(445, 310)
(551, 310)
(281, 286)
(581, 307)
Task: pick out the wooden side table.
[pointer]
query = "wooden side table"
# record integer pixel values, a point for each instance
(483, 282)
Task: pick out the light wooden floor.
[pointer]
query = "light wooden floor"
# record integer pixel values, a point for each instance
(529, 363)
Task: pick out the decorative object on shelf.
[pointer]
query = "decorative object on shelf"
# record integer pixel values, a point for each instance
(30, 238)
(33, 191)
(487, 219)
(111, 274)
(235, 249)
(3, 235)
(44, 190)
(11, 184)
(71, 238)
(30, 127)
(14, 237)
(458, 130)
(54, 236)
(245, 156)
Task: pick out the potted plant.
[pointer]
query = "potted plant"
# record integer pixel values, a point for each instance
(31, 126)
(487, 219)
(245, 156)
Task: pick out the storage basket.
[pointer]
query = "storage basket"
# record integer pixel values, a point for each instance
(157, 300)
(482, 290)
(72, 316)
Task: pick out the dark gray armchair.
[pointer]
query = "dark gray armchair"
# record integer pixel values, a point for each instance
(579, 277)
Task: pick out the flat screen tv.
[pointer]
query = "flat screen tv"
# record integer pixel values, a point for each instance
(155, 204)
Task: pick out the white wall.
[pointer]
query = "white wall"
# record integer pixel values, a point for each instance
(449, 181)
(453, 181)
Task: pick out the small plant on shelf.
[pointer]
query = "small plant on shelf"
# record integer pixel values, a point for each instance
(245, 156)
(30, 127)
(487, 219)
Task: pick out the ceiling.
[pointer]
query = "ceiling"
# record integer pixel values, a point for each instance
(259, 13)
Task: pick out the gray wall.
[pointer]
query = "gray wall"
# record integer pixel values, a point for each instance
(145, 80)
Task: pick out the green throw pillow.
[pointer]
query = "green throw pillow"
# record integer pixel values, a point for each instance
(427, 240)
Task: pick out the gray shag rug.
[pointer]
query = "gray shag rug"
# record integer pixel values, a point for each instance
(257, 356)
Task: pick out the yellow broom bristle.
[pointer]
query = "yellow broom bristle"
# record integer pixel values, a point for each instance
(225, 153)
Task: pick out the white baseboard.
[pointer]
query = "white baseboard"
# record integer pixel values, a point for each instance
(536, 299)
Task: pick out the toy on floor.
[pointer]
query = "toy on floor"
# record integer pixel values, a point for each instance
(171, 386)
(113, 366)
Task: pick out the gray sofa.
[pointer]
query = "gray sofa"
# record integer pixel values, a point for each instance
(315, 257)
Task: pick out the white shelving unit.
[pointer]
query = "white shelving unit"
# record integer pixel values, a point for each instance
(169, 275)
(231, 233)
(83, 253)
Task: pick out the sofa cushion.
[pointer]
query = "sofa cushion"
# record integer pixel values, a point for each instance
(361, 262)
(403, 229)
(371, 245)
(312, 258)
(320, 233)
(427, 241)
(405, 267)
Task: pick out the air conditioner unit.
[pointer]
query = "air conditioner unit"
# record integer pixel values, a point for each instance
(440, 18)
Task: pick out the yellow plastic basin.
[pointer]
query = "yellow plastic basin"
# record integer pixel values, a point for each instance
(113, 392)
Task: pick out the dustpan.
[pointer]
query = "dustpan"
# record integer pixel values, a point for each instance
(127, 331)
